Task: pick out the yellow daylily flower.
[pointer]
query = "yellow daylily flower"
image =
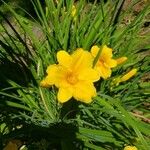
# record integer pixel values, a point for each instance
(130, 148)
(128, 75)
(73, 76)
(105, 61)
(121, 60)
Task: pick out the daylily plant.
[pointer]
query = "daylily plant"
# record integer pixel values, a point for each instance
(75, 74)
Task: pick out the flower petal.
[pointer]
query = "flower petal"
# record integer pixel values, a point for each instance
(64, 58)
(106, 53)
(111, 63)
(81, 59)
(104, 71)
(52, 72)
(89, 74)
(51, 68)
(94, 50)
(56, 75)
(45, 84)
(64, 94)
(84, 92)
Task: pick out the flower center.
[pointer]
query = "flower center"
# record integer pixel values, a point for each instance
(102, 61)
(71, 78)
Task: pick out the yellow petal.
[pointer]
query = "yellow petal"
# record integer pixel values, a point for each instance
(50, 78)
(106, 53)
(104, 71)
(130, 148)
(128, 75)
(94, 50)
(56, 75)
(84, 92)
(52, 68)
(64, 58)
(105, 56)
(53, 73)
(44, 83)
(111, 63)
(89, 74)
(81, 59)
(64, 94)
(121, 60)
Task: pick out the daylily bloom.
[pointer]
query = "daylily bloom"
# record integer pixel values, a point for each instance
(130, 148)
(105, 61)
(121, 60)
(73, 76)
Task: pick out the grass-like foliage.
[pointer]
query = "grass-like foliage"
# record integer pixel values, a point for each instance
(117, 116)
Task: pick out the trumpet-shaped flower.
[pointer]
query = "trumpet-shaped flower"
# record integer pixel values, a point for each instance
(130, 148)
(73, 76)
(104, 62)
